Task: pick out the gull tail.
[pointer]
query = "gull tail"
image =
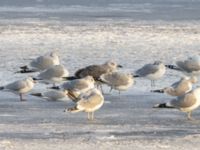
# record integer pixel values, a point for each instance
(163, 105)
(158, 91)
(36, 94)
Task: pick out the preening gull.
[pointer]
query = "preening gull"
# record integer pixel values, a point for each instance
(88, 102)
(78, 86)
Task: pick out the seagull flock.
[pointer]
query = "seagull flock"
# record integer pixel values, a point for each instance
(85, 87)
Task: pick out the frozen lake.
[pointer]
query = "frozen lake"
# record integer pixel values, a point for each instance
(84, 32)
(90, 10)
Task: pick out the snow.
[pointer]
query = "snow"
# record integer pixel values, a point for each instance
(125, 121)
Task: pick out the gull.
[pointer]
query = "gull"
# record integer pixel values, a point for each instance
(96, 70)
(118, 80)
(190, 66)
(53, 75)
(152, 72)
(88, 102)
(78, 86)
(185, 103)
(53, 95)
(20, 87)
(183, 86)
(41, 63)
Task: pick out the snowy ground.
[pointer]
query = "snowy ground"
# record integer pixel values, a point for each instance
(124, 122)
(131, 32)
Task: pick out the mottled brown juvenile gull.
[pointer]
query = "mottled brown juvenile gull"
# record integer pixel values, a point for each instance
(96, 70)
(186, 103)
(152, 72)
(89, 102)
(20, 87)
(183, 86)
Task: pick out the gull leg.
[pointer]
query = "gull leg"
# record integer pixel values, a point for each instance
(88, 116)
(92, 115)
(119, 92)
(21, 98)
(111, 89)
(101, 88)
(152, 83)
(189, 115)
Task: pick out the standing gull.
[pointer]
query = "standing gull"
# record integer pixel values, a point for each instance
(183, 86)
(20, 87)
(152, 72)
(97, 70)
(54, 74)
(41, 63)
(118, 80)
(186, 103)
(53, 95)
(89, 102)
(190, 66)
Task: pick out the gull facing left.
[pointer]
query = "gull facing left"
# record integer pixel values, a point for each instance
(20, 87)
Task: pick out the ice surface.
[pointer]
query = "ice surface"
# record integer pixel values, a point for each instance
(127, 121)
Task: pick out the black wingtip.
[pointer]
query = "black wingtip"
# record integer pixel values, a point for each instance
(157, 91)
(119, 66)
(1, 88)
(70, 78)
(136, 76)
(54, 88)
(25, 71)
(36, 94)
(172, 67)
(162, 105)
(24, 67)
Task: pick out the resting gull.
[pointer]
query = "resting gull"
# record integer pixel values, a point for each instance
(185, 103)
(183, 86)
(41, 63)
